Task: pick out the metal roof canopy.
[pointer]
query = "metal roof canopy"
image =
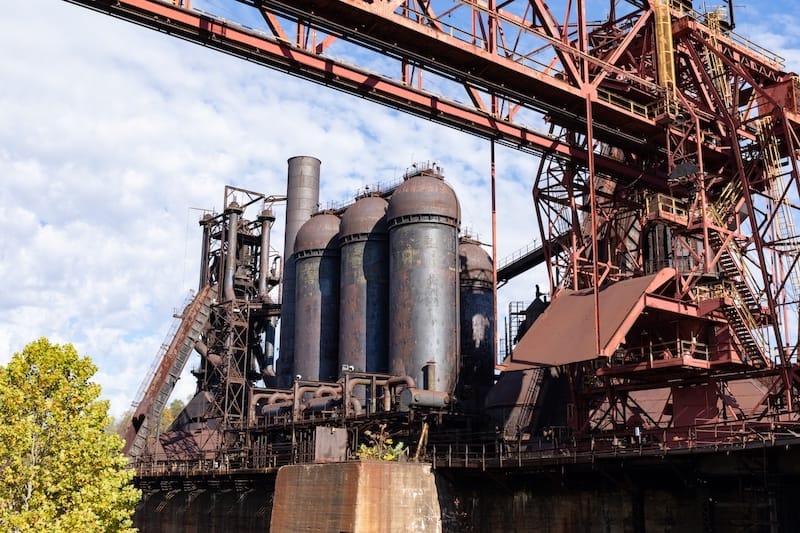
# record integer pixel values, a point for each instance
(564, 332)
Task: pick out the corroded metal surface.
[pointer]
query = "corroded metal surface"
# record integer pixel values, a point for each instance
(317, 299)
(423, 287)
(424, 195)
(553, 340)
(302, 199)
(364, 321)
(477, 326)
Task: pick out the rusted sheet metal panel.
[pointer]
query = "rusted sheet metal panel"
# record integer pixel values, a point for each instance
(565, 331)
(330, 444)
(356, 497)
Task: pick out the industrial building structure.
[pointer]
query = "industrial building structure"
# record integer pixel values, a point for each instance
(666, 197)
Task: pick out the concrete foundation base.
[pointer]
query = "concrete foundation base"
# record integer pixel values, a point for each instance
(356, 497)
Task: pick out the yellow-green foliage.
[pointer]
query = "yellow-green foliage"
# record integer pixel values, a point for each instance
(381, 447)
(59, 470)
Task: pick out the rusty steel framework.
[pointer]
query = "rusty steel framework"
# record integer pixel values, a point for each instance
(668, 147)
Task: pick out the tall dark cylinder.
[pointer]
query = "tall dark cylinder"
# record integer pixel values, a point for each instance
(423, 219)
(205, 273)
(233, 212)
(477, 323)
(364, 287)
(302, 199)
(316, 330)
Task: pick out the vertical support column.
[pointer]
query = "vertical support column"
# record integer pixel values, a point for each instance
(494, 250)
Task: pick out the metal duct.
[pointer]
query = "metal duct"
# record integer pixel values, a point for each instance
(233, 211)
(266, 218)
(302, 199)
(205, 223)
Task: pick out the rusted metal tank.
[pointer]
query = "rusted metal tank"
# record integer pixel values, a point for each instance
(302, 199)
(364, 287)
(316, 327)
(477, 323)
(423, 219)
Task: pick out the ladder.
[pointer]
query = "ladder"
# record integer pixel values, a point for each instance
(715, 66)
(160, 385)
(665, 53)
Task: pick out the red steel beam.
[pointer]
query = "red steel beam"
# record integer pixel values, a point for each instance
(279, 54)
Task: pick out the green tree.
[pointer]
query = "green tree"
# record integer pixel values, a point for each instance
(59, 470)
(172, 411)
(118, 426)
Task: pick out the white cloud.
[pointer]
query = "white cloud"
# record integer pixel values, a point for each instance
(114, 132)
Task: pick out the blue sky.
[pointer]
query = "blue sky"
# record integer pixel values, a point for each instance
(112, 134)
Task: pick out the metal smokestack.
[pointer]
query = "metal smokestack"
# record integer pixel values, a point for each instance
(302, 199)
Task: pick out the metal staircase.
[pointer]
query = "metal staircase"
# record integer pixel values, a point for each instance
(785, 232)
(160, 385)
(745, 307)
(716, 68)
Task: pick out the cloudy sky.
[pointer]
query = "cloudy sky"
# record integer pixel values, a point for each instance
(113, 136)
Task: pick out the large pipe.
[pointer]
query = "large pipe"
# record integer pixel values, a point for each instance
(302, 199)
(202, 349)
(275, 409)
(205, 223)
(266, 218)
(233, 211)
(386, 383)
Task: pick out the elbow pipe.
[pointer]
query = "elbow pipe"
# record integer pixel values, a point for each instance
(393, 382)
(275, 397)
(201, 348)
(355, 406)
(400, 380)
(301, 391)
(360, 381)
(233, 211)
(327, 391)
(212, 358)
(253, 403)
